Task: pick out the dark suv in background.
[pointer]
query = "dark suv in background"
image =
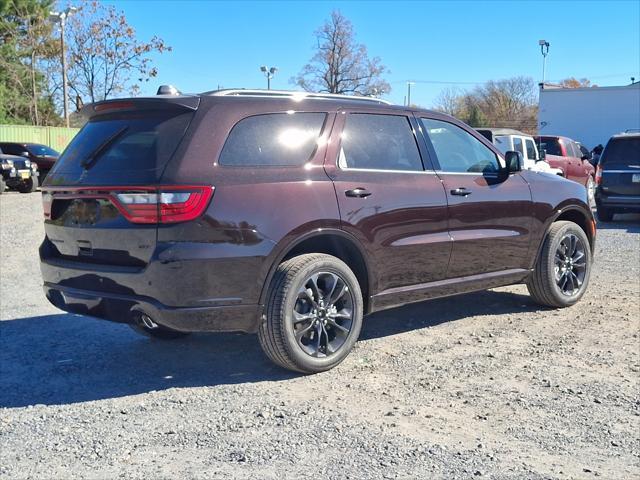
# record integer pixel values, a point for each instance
(292, 215)
(618, 176)
(45, 157)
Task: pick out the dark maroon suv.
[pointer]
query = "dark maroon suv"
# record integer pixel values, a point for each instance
(292, 215)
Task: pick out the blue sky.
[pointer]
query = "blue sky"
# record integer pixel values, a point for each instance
(224, 43)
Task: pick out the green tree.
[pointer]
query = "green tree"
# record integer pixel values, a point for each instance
(25, 39)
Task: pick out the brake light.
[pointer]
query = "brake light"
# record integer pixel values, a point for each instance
(150, 205)
(598, 174)
(165, 205)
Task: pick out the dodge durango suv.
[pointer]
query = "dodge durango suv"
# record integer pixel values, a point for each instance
(293, 215)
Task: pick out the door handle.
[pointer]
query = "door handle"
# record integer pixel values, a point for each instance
(462, 192)
(358, 192)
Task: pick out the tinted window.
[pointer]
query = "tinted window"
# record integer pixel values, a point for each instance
(381, 142)
(551, 146)
(570, 148)
(42, 150)
(622, 152)
(517, 145)
(12, 149)
(274, 139)
(121, 144)
(531, 149)
(457, 150)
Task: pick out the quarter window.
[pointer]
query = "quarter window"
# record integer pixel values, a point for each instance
(381, 142)
(276, 139)
(459, 151)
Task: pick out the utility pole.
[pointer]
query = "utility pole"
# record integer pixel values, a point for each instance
(409, 93)
(61, 18)
(269, 73)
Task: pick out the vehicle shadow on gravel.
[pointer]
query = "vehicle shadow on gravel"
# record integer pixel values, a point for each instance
(63, 358)
(629, 222)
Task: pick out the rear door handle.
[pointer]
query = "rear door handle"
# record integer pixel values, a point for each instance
(358, 192)
(462, 192)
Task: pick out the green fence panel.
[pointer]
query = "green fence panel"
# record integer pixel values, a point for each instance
(56, 137)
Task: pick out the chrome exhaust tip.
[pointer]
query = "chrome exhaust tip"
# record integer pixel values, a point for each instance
(146, 322)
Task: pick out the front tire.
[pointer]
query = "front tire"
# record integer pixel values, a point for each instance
(314, 314)
(562, 271)
(29, 186)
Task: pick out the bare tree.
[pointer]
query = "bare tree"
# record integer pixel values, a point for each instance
(104, 54)
(498, 103)
(573, 82)
(341, 65)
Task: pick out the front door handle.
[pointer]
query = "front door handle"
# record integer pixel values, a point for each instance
(462, 192)
(358, 192)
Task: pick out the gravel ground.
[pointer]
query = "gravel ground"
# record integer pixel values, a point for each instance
(483, 385)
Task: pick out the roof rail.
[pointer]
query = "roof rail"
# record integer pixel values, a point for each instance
(296, 95)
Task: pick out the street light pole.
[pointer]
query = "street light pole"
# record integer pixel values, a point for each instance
(61, 17)
(269, 73)
(544, 49)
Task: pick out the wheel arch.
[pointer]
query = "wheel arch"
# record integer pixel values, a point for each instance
(335, 242)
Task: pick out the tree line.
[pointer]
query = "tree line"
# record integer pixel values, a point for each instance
(104, 59)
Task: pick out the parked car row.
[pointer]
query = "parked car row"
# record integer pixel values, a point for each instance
(25, 165)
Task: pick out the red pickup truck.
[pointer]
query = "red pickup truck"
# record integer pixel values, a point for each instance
(565, 154)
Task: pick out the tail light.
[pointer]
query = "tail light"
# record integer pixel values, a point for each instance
(598, 174)
(164, 204)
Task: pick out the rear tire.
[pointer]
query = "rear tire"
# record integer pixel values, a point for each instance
(314, 314)
(604, 214)
(29, 186)
(161, 333)
(562, 270)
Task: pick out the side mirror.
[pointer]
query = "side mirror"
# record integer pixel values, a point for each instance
(585, 157)
(543, 154)
(515, 162)
(24, 154)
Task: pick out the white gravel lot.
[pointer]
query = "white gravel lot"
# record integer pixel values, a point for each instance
(483, 385)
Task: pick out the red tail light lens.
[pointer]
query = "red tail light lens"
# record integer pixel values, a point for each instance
(164, 205)
(598, 174)
(150, 205)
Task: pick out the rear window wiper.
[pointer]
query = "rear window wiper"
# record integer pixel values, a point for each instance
(93, 156)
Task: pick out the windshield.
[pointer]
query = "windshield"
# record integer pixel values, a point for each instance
(622, 152)
(42, 151)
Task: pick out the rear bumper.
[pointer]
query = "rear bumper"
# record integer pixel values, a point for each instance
(127, 308)
(626, 202)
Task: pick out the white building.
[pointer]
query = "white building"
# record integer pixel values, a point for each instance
(588, 115)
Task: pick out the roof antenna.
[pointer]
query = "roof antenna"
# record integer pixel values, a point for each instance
(167, 90)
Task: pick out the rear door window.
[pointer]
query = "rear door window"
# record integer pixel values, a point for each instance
(275, 139)
(621, 153)
(379, 142)
(459, 151)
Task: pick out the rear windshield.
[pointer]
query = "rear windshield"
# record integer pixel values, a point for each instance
(622, 151)
(551, 146)
(117, 144)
